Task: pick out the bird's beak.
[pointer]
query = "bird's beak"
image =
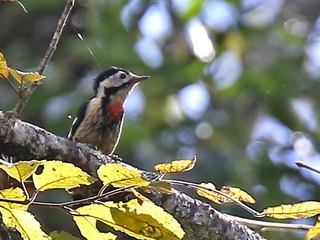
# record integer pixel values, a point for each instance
(137, 78)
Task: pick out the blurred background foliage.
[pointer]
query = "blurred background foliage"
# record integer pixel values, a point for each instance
(235, 83)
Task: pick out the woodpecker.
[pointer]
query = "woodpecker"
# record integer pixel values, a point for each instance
(99, 120)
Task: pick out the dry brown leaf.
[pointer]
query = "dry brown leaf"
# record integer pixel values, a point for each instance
(176, 166)
(211, 195)
(215, 197)
(238, 194)
(139, 195)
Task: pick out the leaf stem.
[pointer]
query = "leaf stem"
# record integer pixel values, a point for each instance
(271, 226)
(13, 87)
(81, 201)
(307, 166)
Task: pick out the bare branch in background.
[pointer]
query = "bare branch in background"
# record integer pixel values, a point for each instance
(27, 92)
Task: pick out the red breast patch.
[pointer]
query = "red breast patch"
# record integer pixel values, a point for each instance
(115, 110)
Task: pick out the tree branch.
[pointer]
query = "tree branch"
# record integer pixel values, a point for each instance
(27, 92)
(200, 221)
(25, 141)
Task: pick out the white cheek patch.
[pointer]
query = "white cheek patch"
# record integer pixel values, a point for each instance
(111, 82)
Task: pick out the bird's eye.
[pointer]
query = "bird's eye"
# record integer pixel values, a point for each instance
(122, 75)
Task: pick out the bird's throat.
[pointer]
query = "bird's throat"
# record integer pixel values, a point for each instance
(116, 110)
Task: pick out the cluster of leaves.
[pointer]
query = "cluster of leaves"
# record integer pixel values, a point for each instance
(139, 217)
(143, 220)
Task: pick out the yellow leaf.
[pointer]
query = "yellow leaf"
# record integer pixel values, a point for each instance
(62, 236)
(24, 77)
(139, 195)
(13, 194)
(24, 222)
(20, 170)
(238, 194)
(4, 71)
(87, 227)
(298, 210)
(314, 232)
(158, 186)
(142, 221)
(119, 176)
(176, 166)
(215, 197)
(57, 174)
(211, 195)
(155, 186)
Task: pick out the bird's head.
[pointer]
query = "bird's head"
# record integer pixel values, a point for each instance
(116, 80)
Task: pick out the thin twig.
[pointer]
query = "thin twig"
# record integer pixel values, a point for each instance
(197, 186)
(12, 86)
(23, 7)
(24, 202)
(56, 37)
(25, 190)
(271, 226)
(52, 47)
(101, 191)
(34, 196)
(307, 166)
(81, 201)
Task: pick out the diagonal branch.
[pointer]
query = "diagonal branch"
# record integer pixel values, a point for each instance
(200, 221)
(25, 141)
(27, 92)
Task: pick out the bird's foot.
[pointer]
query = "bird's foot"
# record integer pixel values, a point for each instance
(115, 157)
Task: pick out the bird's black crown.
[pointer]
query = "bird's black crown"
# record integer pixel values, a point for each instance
(105, 74)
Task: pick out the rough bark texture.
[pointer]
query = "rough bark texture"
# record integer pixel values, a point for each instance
(200, 221)
(25, 141)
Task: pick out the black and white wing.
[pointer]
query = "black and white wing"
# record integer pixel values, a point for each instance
(78, 119)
